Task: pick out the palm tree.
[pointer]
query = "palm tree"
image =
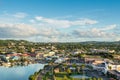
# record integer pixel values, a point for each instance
(99, 79)
(51, 63)
(78, 69)
(64, 66)
(65, 78)
(68, 71)
(109, 67)
(74, 66)
(83, 66)
(94, 79)
(90, 78)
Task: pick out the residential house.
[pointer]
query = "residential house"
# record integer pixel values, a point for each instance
(49, 54)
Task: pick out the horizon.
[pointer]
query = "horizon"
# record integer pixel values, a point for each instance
(58, 42)
(60, 20)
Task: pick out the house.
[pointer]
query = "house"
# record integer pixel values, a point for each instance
(74, 61)
(103, 67)
(78, 51)
(25, 55)
(56, 70)
(39, 55)
(111, 51)
(48, 58)
(115, 74)
(3, 58)
(75, 53)
(49, 54)
(15, 58)
(60, 60)
(72, 69)
(55, 56)
(113, 66)
(100, 65)
(32, 55)
(99, 50)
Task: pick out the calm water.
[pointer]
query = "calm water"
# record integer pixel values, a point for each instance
(19, 72)
(79, 76)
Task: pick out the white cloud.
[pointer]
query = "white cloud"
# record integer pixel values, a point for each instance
(48, 32)
(117, 39)
(84, 22)
(23, 30)
(53, 30)
(64, 23)
(20, 15)
(32, 21)
(96, 32)
(110, 27)
(92, 34)
(17, 30)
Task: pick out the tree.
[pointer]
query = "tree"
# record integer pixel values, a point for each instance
(83, 66)
(64, 66)
(99, 79)
(68, 71)
(109, 67)
(44, 78)
(74, 65)
(90, 78)
(32, 77)
(65, 77)
(94, 79)
(78, 69)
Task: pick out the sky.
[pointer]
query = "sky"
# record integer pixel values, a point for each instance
(60, 20)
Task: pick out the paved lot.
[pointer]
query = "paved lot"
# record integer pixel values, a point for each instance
(39, 77)
(96, 74)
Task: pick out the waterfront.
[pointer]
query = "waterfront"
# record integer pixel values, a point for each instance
(19, 72)
(79, 76)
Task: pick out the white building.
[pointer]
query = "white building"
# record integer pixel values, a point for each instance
(49, 54)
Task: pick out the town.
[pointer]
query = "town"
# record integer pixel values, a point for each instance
(59, 39)
(64, 61)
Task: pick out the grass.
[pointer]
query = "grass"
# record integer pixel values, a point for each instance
(63, 78)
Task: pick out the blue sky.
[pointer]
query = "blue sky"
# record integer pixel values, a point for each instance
(60, 20)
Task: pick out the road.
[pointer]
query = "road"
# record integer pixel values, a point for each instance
(39, 77)
(96, 74)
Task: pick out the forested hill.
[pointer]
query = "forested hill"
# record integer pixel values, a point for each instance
(12, 42)
(16, 45)
(8, 42)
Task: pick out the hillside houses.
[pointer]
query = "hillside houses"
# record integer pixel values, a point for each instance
(102, 51)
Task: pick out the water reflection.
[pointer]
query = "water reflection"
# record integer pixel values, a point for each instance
(19, 72)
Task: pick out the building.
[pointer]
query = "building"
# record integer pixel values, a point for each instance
(49, 54)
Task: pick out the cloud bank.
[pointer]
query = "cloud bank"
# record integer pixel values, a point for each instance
(20, 26)
(64, 23)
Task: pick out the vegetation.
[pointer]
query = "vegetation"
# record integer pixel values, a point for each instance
(34, 76)
(22, 46)
(17, 45)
